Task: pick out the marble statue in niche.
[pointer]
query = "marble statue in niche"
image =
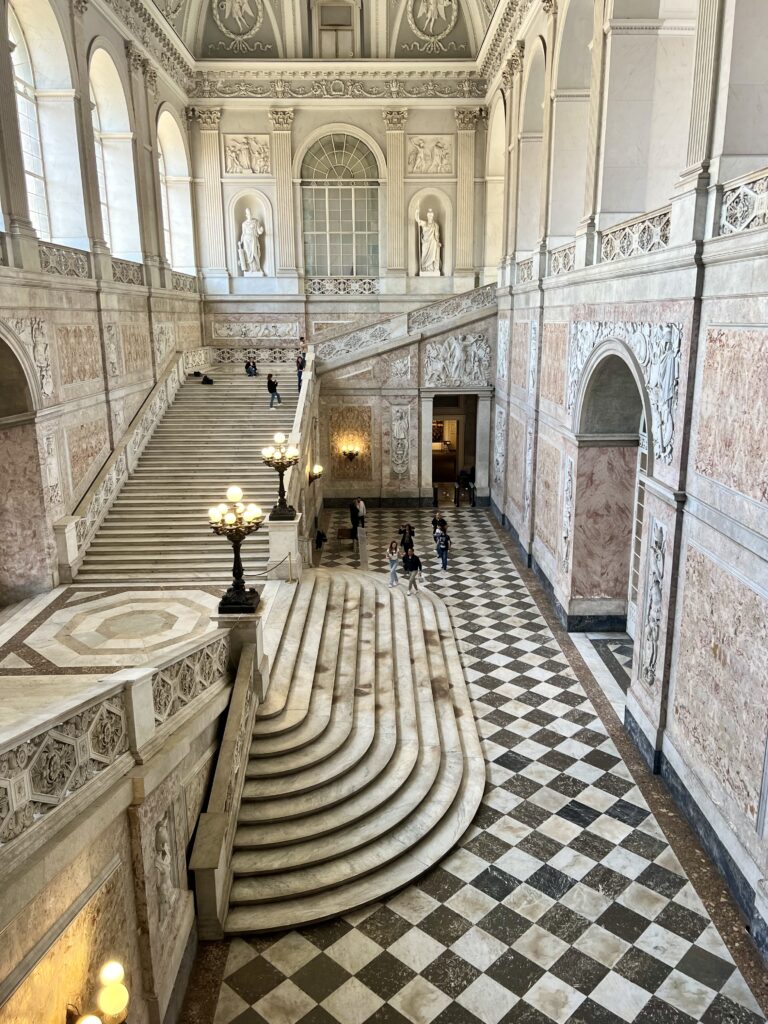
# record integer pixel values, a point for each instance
(246, 154)
(399, 442)
(248, 248)
(459, 359)
(653, 603)
(429, 244)
(430, 154)
(498, 447)
(164, 868)
(567, 512)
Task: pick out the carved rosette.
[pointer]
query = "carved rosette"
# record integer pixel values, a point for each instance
(282, 120)
(79, 6)
(177, 685)
(136, 59)
(395, 119)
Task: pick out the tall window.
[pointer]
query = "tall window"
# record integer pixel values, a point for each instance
(166, 209)
(100, 172)
(29, 127)
(340, 199)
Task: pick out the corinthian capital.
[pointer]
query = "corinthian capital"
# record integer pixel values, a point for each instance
(515, 62)
(208, 118)
(395, 119)
(550, 6)
(135, 57)
(467, 118)
(281, 119)
(79, 6)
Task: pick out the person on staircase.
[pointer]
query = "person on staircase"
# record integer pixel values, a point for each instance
(301, 364)
(273, 392)
(412, 565)
(250, 368)
(393, 558)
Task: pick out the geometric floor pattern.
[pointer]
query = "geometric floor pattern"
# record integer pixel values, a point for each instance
(563, 902)
(616, 654)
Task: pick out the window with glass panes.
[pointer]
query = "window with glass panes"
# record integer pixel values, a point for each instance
(29, 128)
(100, 172)
(166, 214)
(340, 202)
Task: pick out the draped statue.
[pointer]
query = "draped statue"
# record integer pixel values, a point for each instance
(429, 245)
(248, 250)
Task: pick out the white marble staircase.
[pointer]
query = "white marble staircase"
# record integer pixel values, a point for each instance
(365, 765)
(210, 437)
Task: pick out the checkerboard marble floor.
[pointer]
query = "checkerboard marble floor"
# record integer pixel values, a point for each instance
(563, 902)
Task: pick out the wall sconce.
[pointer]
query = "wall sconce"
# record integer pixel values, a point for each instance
(111, 999)
(350, 451)
(315, 473)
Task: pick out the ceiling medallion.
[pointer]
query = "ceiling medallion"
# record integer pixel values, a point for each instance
(238, 20)
(434, 20)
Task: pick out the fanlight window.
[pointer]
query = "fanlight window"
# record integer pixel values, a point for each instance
(340, 198)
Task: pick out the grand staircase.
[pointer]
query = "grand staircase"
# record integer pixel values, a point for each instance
(365, 765)
(210, 437)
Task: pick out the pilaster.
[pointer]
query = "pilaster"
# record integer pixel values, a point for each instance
(466, 123)
(550, 9)
(512, 78)
(145, 174)
(209, 203)
(586, 235)
(426, 406)
(282, 123)
(396, 248)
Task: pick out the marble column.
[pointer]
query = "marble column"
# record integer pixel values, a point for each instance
(550, 8)
(22, 240)
(426, 406)
(585, 235)
(209, 202)
(145, 175)
(282, 122)
(395, 120)
(483, 448)
(513, 76)
(466, 123)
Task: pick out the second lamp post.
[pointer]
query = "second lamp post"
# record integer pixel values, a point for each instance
(281, 457)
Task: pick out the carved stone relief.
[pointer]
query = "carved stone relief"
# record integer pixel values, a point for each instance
(657, 348)
(246, 154)
(528, 473)
(165, 341)
(431, 21)
(111, 350)
(499, 447)
(33, 332)
(85, 443)
(653, 602)
(430, 154)
(460, 360)
(165, 867)
(502, 349)
(567, 513)
(244, 326)
(54, 494)
(78, 351)
(399, 453)
(136, 347)
(533, 351)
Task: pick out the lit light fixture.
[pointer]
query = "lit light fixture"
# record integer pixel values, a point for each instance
(281, 457)
(235, 521)
(315, 473)
(112, 998)
(350, 451)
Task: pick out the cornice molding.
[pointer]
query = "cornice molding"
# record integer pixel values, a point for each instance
(345, 85)
(158, 39)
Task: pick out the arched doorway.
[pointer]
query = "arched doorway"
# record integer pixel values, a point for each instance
(609, 496)
(26, 566)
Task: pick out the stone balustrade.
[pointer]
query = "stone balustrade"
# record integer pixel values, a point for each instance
(127, 272)
(64, 261)
(637, 237)
(341, 286)
(562, 260)
(525, 271)
(183, 282)
(744, 204)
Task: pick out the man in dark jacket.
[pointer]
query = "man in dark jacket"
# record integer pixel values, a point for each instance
(412, 565)
(273, 392)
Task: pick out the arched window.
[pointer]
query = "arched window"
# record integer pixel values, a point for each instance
(340, 201)
(29, 128)
(175, 198)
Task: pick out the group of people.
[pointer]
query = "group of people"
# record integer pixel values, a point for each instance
(272, 386)
(357, 513)
(411, 562)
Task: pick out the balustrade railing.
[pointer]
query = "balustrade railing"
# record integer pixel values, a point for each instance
(341, 286)
(637, 237)
(562, 260)
(127, 272)
(448, 309)
(183, 282)
(64, 261)
(744, 205)
(525, 271)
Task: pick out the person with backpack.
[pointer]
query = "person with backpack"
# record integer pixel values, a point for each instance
(412, 566)
(273, 392)
(443, 547)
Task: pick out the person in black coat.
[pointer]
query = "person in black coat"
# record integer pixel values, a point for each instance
(354, 517)
(273, 392)
(412, 565)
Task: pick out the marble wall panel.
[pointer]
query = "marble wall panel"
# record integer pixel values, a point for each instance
(547, 490)
(164, 337)
(136, 346)
(515, 462)
(518, 364)
(188, 335)
(720, 702)
(400, 443)
(351, 425)
(25, 565)
(79, 353)
(554, 357)
(602, 522)
(733, 411)
(88, 446)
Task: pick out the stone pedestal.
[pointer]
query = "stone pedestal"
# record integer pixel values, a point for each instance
(284, 542)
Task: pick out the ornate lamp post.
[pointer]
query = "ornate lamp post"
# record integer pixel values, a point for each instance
(281, 457)
(235, 521)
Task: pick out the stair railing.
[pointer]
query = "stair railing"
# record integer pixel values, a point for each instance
(301, 436)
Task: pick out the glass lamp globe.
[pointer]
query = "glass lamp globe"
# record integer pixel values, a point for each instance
(113, 999)
(111, 973)
(279, 438)
(230, 518)
(234, 493)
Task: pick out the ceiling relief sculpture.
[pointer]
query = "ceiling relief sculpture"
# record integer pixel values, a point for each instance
(433, 28)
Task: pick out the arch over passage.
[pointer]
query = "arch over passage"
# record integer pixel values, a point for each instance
(531, 148)
(113, 136)
(175, 185)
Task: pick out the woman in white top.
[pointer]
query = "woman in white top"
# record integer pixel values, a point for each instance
(392, 558)
(361, 511)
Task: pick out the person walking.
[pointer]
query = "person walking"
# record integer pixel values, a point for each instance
(392, 559)
(354, 518)
(301, 363)
(406, 538)
(273, 392)
(412, 565)
(361, 511)
(443, 547)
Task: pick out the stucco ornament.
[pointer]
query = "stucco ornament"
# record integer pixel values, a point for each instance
(430, 154)
(246, 154)
(248, 248)
(166, 889)
(567, 512)
(459, 359)
(533, 349)
(653, 603)
(657, 348)
(528, 473)
(432, 21)
(498, 447)
(238, 20)
(502, 349)
(400, 446)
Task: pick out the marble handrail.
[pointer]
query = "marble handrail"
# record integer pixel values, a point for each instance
(744, 204)
(646, 233)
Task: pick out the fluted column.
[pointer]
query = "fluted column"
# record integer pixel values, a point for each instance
(466, 122)
(23, 251)
(396, 231)
(145, 174)
(513, 76)
(706, 61)
(282, 122)
(209, 204)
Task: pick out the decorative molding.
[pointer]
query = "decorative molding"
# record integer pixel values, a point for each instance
(533, 352)
(33, 332)
(40, 774)
(528, 493)
(177, 685)
(525, 271)
(447, 309)
(239, 355)
(460, 360)
(282, 120)
(745, 204)
(135, 58)
(156, 37)
(80, 6)
(654, 601)
(341, 286)
(636, 237)
(431, 34)
(549, 7)
(395, 119)
(209, 118)
(657, 348)
(150, 77)
(499, 447)
(502, 348)
(400, 440)
(127, 272)
(63, 260)
(243, 326)
(353, 342)
(468, 117)
(562, 260)
(183, 282)
(504, 36)
(309, 85)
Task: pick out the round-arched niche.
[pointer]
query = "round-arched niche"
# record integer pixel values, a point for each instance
(252, 250)
(421, 203)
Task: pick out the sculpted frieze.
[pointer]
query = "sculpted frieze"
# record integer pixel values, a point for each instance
(399, 452)
(459, 359)
(502, 348)
(657, 348)
(313, 85)
(654, 603)
(246, 154)
(430, 154)
(499, 447)
(243, 326)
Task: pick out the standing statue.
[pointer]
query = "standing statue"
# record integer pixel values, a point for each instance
(429, 245)
(248, 254)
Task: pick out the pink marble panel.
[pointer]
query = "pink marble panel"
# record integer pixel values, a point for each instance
(79, 353)
(602, 522)
(518, 367)
(554, 355)
(87, 443)
(547, 489)
(25, 566)
(516, 461)
(721, 677)
(733, 411)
